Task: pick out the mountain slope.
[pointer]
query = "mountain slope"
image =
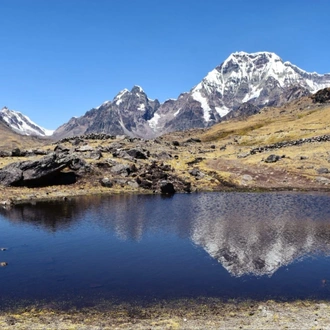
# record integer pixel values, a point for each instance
(22, 124)
(261, 79)
(128, 113)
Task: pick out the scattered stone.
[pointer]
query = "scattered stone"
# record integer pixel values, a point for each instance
(76, 141)
(322, 180)
(121, 182)
(5, 153)
(133, 184)
(138, 154)
(303, 157)
(164, 155)
(145, 184)
(106, 182)
(121, 169)
(10, 320)
(243, 155)
(176, 143)
(196, 161)
(272, 158)
(97, 154)
(84, 148)
(223, 148)
(322, 170)
(194, 140)
(60, 148)
(247, 177)
(196, 173)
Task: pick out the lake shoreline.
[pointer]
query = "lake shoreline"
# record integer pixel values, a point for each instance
(11, 196)
(207, 313)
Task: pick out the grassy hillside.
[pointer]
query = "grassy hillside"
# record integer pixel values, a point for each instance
(10, 139)
(211, 159)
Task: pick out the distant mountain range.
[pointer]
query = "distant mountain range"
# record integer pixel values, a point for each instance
(22, 124)
(241, 85)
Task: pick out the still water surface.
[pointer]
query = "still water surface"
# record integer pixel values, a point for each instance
(224, 245)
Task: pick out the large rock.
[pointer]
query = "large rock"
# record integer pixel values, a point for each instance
(40, 172)
(272, 158)
(167, 188)
(321, 96)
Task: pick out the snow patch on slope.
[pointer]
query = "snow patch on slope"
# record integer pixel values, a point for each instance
(23, 124)
(153, 122)
(203, 101)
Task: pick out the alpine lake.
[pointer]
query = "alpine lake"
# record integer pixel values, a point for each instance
(148, 248)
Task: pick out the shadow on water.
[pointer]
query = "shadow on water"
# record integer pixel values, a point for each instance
(223, 245)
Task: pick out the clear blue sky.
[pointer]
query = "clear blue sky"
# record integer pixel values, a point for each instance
(60, 58)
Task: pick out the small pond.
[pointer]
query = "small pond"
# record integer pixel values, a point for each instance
(149, 248)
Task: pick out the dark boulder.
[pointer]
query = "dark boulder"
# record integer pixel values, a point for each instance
(321, 96)
(106, 182)
(61, 148)
(16, 152)
(167, 187)
(138, 154)
(43, 172)
(272, 158)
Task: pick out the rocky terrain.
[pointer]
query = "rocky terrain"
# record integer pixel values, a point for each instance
(277, 148)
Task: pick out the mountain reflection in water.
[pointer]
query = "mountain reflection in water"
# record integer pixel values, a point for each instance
(247, 233)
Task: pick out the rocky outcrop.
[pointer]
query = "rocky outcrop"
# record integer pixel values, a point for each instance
(321, 96)
(43, 172)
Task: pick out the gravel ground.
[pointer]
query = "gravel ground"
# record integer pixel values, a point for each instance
(184, 314)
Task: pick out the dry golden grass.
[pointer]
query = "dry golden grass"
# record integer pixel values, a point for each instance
(10, 140)
(231, 166)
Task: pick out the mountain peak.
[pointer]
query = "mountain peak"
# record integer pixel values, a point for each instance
(137, 89)
(260, 78)
(22, 124)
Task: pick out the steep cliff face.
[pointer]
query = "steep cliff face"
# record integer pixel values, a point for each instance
(259, 79)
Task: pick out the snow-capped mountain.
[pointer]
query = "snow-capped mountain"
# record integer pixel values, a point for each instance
(261, 79)
(22, 124)
(128, 113)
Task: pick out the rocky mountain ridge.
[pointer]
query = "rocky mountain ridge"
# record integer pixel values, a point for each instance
(22, 124)
(241, 85)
